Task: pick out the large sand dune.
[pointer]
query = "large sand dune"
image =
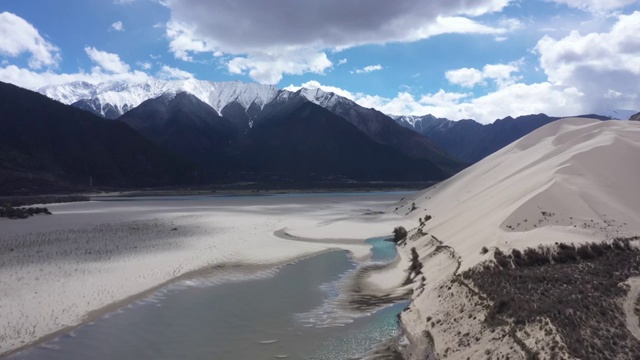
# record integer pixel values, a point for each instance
(574, 180)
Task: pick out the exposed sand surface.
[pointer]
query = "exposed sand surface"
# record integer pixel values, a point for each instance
(633, 320)
(572, 181)
(55, 270)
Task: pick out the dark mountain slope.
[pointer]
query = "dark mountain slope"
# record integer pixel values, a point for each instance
(383, 129)
(304, 140)
(188, 127)
(471, 141)
(47, 146)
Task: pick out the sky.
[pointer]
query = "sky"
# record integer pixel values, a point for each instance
(459, 59)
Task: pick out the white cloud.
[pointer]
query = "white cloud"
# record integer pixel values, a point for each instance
(512, 100)
(144, 65)
(465, 77)
(368, 69)
(313, 84)
(598, 64)
(500, 74)
(107, 61)
(121, 2)
(183, 41)
(268, 68)
(342, 62)
(592, 73)
(168, 72)
(34, 80)
(597, 6)
(261, 33)
(116, 26)
(17, 37)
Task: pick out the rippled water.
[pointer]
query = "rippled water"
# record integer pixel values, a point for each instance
(292, 312)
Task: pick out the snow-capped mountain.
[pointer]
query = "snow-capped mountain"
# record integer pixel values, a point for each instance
(115, 98)
(245, 104)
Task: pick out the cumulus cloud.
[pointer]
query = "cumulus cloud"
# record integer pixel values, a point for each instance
(592, 73)
(107, 61)
(116, 26)
(145, 65)
(342, 62)
(500, 74)
(512, 100)
(256, 33)
(34, 80)
(598, 64)
(313, 84)
(597, 6)
(268, 68)
(17, 37)
(368, 69)
(168, 72)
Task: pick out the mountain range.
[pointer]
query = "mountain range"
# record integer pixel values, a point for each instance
(46, 146)
(242, 106)
(196, 132)
(192, 131)
(471, 141)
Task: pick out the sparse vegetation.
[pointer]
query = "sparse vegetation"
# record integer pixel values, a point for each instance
(8, 211)
(576, 288)
(399, 234)
(416, 265)
(17, 201)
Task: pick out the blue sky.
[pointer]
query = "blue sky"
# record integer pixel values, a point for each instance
(482, 59)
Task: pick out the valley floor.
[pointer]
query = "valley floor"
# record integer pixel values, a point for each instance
(90, 258)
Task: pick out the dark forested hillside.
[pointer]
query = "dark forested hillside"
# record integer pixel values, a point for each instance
(46, 146)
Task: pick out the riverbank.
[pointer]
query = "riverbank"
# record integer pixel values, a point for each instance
(89, 258)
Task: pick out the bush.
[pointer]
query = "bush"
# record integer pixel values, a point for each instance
(399, 234)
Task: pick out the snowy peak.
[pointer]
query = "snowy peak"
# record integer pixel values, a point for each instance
(69, 93)
(119, 97)
(327, 100)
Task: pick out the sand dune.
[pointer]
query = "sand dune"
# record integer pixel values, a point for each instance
(574, 180)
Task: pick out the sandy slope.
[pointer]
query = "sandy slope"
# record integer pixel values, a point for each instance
(55, 270)
(574, 180)
(633, 321)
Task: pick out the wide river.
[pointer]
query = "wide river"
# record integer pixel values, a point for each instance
(295, 311)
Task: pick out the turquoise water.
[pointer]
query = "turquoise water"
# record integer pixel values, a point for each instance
(384, 250)
(293, 312)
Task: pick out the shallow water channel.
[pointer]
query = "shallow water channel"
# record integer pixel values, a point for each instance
(296, 311)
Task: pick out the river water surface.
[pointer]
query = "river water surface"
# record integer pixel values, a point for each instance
(293, 312)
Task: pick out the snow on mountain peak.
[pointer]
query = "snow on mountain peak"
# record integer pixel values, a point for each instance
(320, 97)
(123, 96)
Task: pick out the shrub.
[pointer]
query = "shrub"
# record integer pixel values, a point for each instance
(399, 234)
(584, 252)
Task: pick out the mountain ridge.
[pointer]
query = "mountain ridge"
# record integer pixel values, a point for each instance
(48, 146)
